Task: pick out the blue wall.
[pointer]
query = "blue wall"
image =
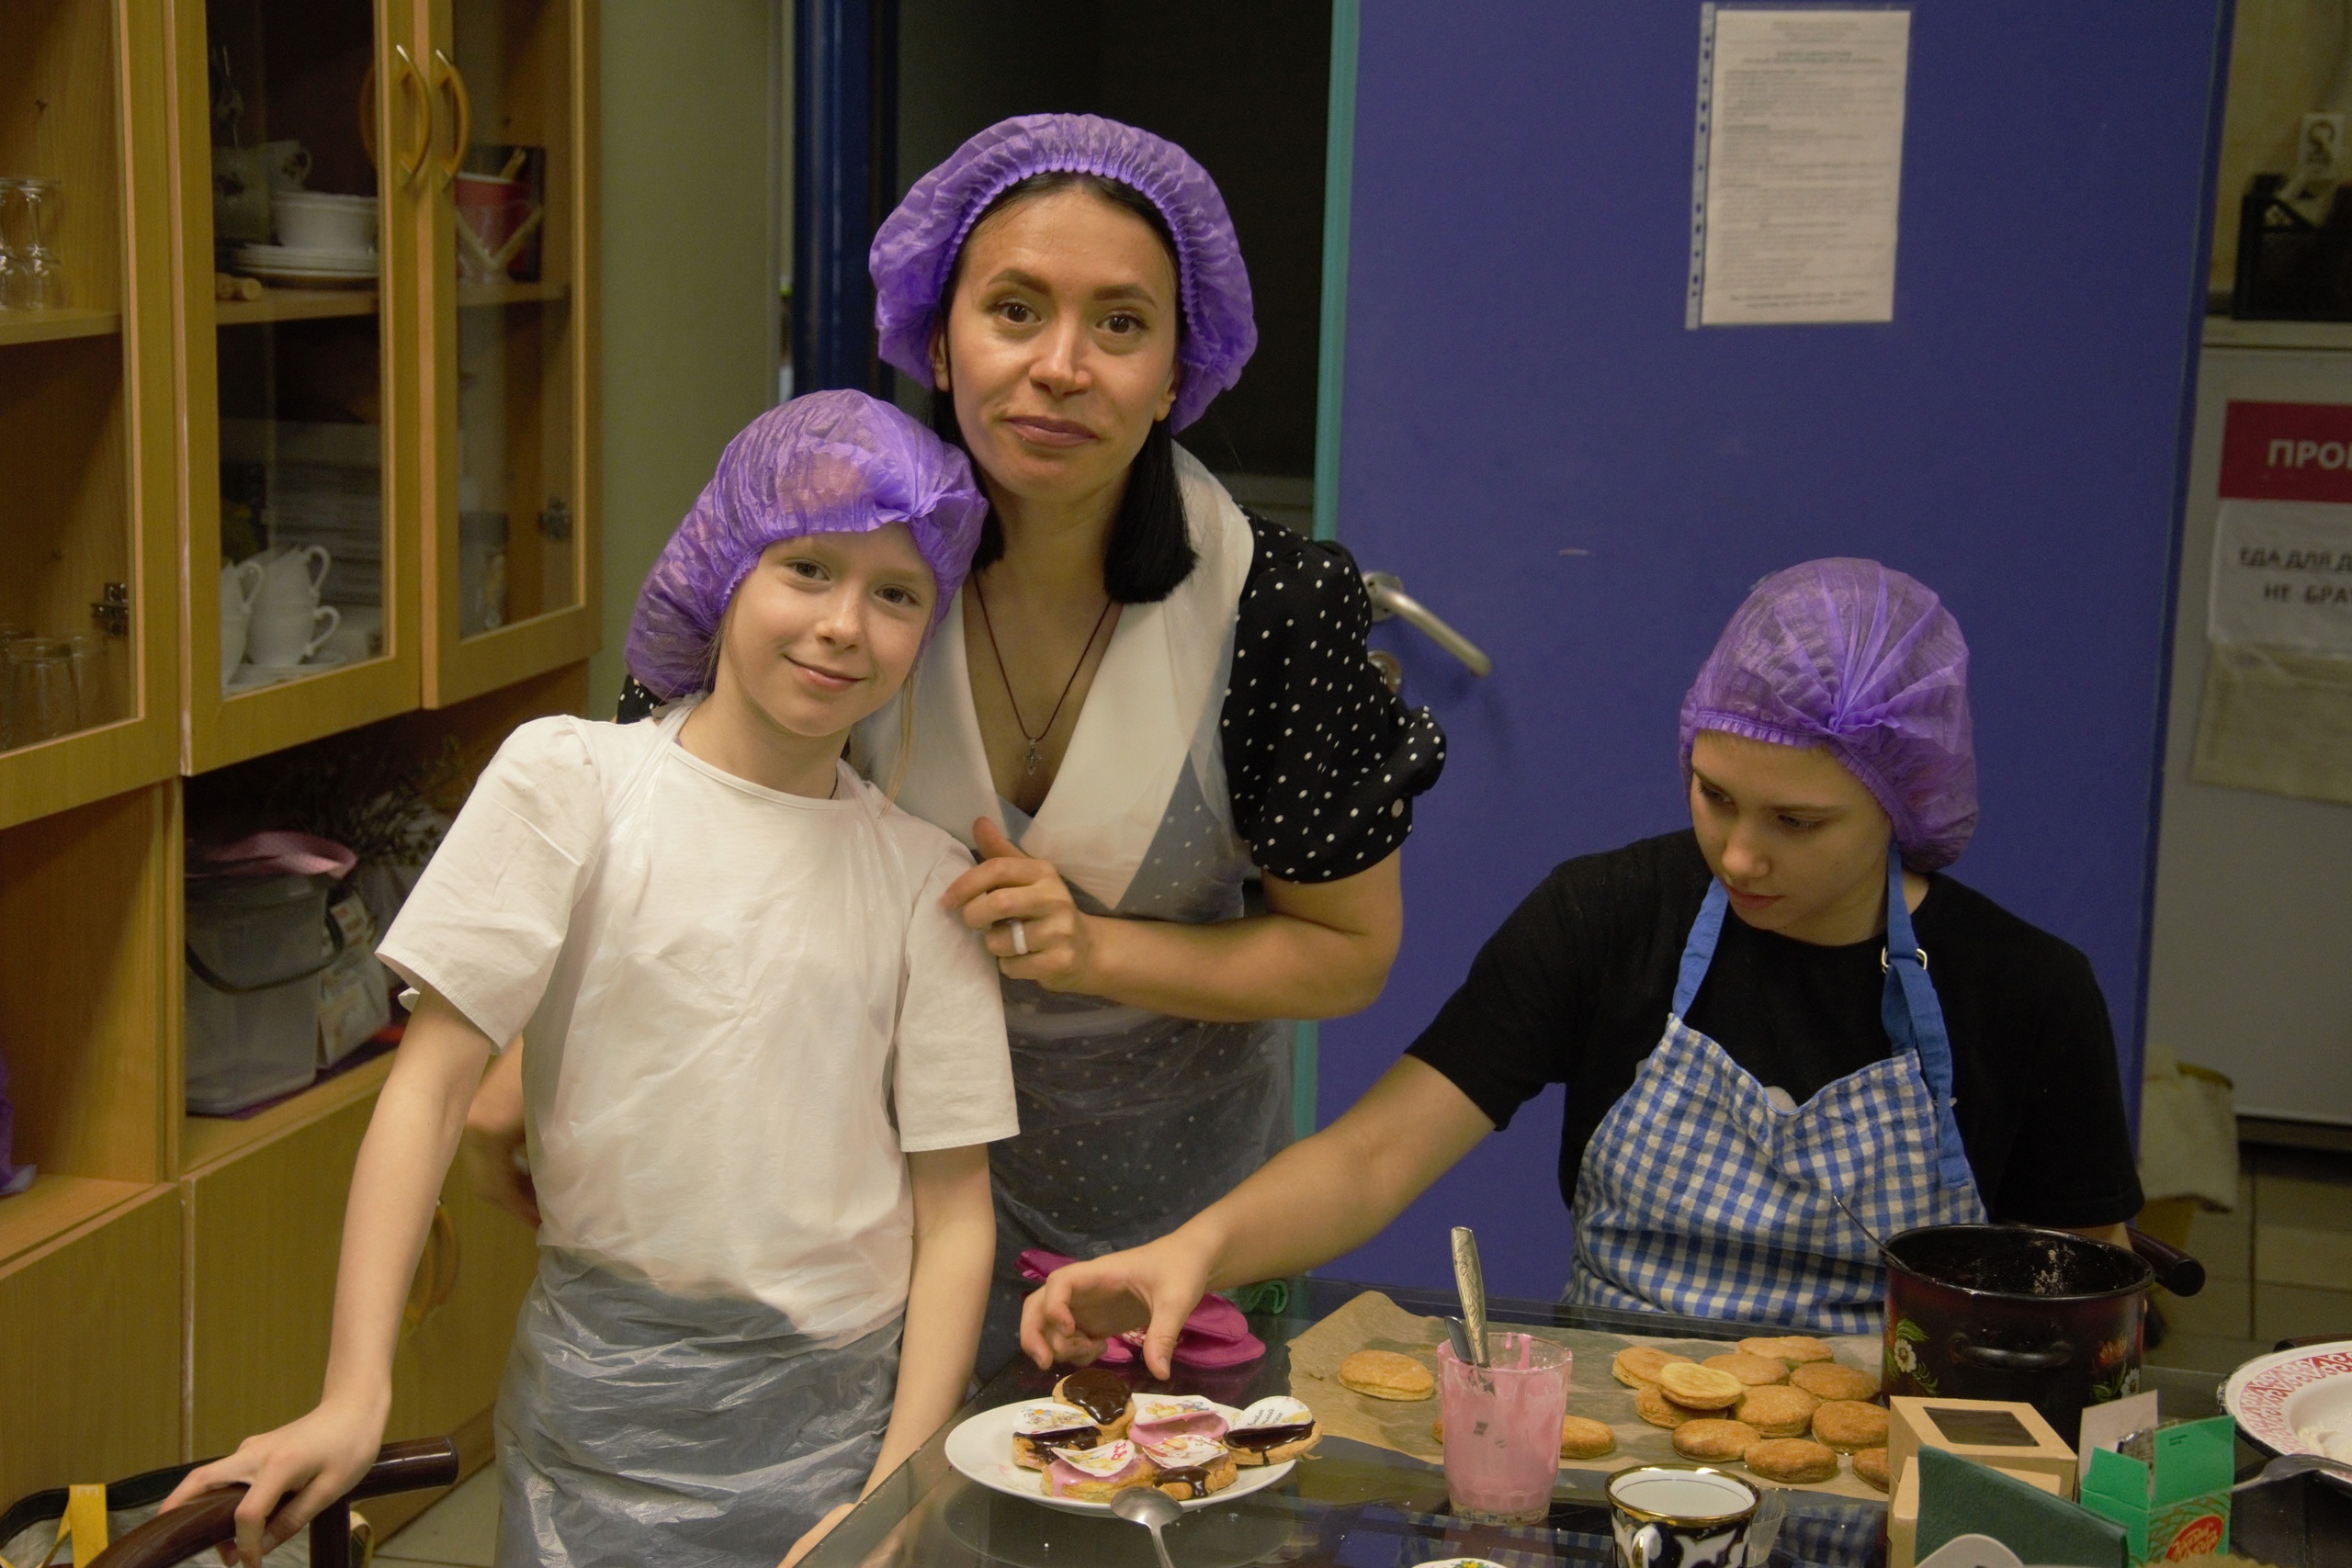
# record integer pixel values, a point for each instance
(1518, 384)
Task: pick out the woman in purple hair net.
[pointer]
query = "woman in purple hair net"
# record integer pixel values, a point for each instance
(1787, 1005)
(1148, 712)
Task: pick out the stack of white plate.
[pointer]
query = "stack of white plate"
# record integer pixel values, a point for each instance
(307, 269)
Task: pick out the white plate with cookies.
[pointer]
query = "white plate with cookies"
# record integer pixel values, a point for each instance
(982, 1449)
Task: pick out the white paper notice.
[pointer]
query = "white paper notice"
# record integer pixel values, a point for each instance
(1801, 142)
(2282, 577)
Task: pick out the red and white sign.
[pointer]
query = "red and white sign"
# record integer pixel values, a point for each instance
(2288, 452)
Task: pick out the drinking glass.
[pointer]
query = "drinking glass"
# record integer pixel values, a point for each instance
(41, 283)
(12, 242)
(92, 677)
(1502, 1428)
(41, 689)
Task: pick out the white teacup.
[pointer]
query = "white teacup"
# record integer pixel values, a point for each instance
(240, 586)
(288, 165)
(286, 634)
(1678, 1515)
(293, 577)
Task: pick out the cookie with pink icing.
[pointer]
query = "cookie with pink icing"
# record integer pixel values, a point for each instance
(1094, 1475)
(1159, 1417)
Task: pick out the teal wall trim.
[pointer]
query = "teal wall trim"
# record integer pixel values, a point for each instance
(1338, 184)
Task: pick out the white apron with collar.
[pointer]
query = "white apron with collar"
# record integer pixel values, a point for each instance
(1131, 1120)
(1698, 1196)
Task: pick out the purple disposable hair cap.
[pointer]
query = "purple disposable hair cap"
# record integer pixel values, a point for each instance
(914, 251)
(829, 463)
(1857, 657)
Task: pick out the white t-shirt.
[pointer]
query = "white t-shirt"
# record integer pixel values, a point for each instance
(744, 1009)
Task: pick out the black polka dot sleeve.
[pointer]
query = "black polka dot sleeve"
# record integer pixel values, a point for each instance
(1322, 760)
(636, 702)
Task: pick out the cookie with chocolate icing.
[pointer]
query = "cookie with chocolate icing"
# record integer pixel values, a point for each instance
(1042, 1427)
(1274, 1429)
(1190, 1466)
(1097, 1474)
(1104, 1397)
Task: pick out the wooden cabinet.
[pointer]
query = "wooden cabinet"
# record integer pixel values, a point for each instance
(93, 1391)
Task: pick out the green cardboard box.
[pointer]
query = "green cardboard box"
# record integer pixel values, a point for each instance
(2176, 1503)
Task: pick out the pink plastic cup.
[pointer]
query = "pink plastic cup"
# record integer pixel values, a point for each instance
(1502, 1428)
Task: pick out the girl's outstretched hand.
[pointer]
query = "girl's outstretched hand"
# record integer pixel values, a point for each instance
(1154, 1287)
(289, 1476)
(1008, 886)
(817, 1532)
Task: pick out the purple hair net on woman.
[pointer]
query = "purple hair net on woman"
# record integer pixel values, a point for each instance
(914, 251)
(829, 463)
(1859, 659)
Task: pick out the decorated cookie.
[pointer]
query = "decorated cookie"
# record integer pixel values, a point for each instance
(1161, 1416)
(1272, 1430)
(1041, 1429)
(1095, 1475)
(1190, 1466)
(1102, 1394)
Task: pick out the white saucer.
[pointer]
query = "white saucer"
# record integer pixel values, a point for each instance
(252, 677)
(328, 269)
(982, 1448)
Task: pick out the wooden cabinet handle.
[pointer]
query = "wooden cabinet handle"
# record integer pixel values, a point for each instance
(447, 78)
(412, 159)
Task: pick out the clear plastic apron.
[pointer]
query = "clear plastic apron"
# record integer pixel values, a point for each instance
(1698, 1196)
(639, 1426)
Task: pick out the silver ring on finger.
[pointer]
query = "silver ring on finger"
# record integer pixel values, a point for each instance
(1020, 938)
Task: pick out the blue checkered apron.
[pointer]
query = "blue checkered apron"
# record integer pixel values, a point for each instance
(1698, 1196)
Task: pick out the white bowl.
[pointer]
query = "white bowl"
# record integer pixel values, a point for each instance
(308, 220)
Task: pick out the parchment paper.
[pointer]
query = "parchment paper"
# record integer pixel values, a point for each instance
(1372, 1322)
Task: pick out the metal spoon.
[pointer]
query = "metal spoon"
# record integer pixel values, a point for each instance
(1470, 1280)
(1152, 1508)
(1840, 1199)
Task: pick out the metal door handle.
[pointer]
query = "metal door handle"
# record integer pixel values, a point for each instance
(1388, 598)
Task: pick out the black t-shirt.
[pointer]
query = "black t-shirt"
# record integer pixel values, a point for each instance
(1321, 758)
(1576, 987)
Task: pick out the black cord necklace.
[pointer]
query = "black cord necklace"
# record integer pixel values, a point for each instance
(1015, 703)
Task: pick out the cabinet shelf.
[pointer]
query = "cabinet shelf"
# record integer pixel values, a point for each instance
(296, 305)
(208, 1140)
(474, 296)
(56, 1204)
(48, 326)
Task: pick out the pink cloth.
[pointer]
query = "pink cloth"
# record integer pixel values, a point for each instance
(1215, 1336)
(280, 853)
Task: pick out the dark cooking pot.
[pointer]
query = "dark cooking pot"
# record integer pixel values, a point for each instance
(2010, 1313)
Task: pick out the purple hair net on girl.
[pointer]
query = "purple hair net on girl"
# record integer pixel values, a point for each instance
(914, 251)
(1859, 659)
(829, 463)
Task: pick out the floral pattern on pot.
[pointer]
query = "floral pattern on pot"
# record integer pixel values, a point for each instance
(1903, 1365)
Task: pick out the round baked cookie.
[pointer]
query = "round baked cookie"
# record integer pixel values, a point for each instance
(1385, 1374)
(1718, 1440)
(1847, 1424)
(1639, 1364)
(1583, 1438)
(1835, 1380)
(1794, 1348)
(1870, 1465)
(1701, 1388)
(1791, 1460)
(1778, 1411)
(1102, 1394)
(1756, 1372)
(1652, 1406)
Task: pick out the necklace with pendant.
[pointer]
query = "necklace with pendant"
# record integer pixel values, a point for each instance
(1015, 703)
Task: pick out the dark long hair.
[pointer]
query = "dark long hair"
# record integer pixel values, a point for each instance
(1150, 552)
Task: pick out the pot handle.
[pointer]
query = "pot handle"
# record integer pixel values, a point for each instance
(2048, 1359)
(2175, 1271)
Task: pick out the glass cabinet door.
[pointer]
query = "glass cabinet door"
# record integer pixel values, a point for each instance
(508, 587)
(313, 143)
(86, 592)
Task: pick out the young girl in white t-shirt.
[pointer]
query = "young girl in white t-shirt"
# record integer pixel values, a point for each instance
(764, 1064)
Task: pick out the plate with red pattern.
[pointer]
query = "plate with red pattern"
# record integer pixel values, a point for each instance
(2296, 1402)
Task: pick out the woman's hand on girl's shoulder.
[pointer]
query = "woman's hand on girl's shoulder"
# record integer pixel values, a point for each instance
(289, 1476)
(1025, 914)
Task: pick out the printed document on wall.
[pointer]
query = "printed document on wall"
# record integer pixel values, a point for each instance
(1798, 172)
(2277, 713)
